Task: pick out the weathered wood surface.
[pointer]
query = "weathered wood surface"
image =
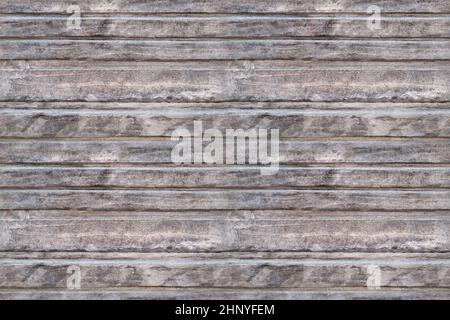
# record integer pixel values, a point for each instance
(141, 50)
(201, 26)
(227, 6)
(225, 272)
(150, 151)
(225, 199)
(390, 121)
(225, 231)
(244, 106)
(224, 177)
(225, 294)
(224, 81)
(86, 177)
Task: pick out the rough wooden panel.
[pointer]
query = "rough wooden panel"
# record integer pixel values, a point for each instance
(224, 81)
(225, 199)
(222, 50)
(241, 256)
(225, 273)
(224, 177)
(86, 177)
(309, 106)
(391, 121)
(370, 50)
(150, 151)
(224, 231)
(225, 294)
(227, 6)
(225, 26)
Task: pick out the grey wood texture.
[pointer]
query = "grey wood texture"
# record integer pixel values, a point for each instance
(319, 122)
(224, 81)
(151, 151)
(234, 26)
(375, 176)
(228, 6)
(224, 272)
(130, 200)
(87, 181)
(205, 231)
(144, 50)
(224, 294)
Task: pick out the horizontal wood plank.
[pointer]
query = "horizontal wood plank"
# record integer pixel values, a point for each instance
(390, 121)
(224, 177)
(224, 199)
(225, 273)
(225, 27)
(244, 255)
(227, 6)
(143, 50)
(225, 294)
(224, 231)
(131, 107)
(291, 152)
(87, 180)
(224, 81)
(342, 50)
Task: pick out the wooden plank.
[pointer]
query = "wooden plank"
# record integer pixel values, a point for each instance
(224, 231)
(391, 121)
(236, 255)
(224, 81)
(136, 200)
(142, 50)
(291, 152)
(201, 26)
(225, 273)
(225, 294)
(227, 6)
(86, 179)
(224, 177)
(205, 107)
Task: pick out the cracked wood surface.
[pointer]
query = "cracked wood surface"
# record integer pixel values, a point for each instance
(86, 178)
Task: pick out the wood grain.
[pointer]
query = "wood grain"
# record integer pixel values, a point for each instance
(87, 179)
(224, 177)
(390, 121)
(201, 26)
(224, 199)
(150, 151)
(228, 6)
(163, 50)
(233, 231)
(225, 294)
(225, 273)
(224, 81)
